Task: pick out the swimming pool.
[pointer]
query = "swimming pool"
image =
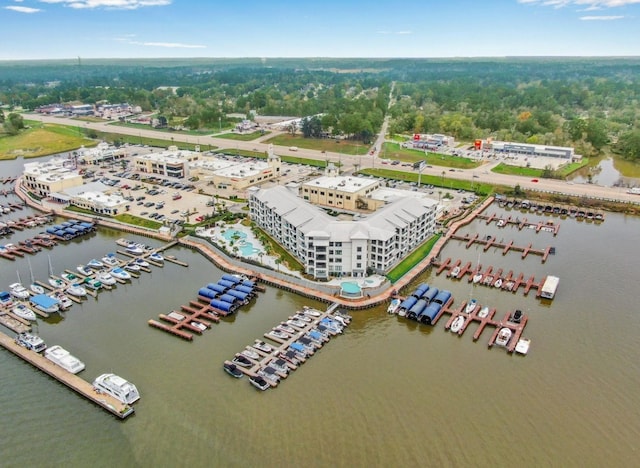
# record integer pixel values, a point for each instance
(247, 249)
(350, 289)
(234, 234)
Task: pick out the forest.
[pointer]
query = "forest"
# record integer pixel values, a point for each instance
(589, 103)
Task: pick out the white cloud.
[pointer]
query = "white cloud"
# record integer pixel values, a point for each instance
(109, 4)
(22, 9)
(588, 4)
(601, 18)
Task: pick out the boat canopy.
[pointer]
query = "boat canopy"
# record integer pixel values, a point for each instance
(226, 284)
(216, 288)
(417, 308)
(228, 298)
(238, 294)
(232, 278)
(442, 297)
(430, 294)
(409, 302)
(420, 290)
(430, 313)
(208, 293)
(249, 284)
(44, 300)
(297, 347)
(245, 289)
(221, 305)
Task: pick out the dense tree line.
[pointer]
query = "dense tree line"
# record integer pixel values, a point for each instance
(588, 103)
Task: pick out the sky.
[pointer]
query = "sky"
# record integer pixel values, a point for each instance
(63, 29)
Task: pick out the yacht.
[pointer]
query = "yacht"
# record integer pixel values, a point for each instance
(241, 360)
(105, 278)
(278, 334)
(32, 342)
(280, 365)
(110, 260)
(311, 312)
(393, 306)
(135, 249)
(92, 283)
(455, 272)
(94, 263)
(262, 346)
(84, 270)
(296, 323)
(141, 262)
(477, 278)
(120, 273)
(258, 382)
(5, 299)
(36, 288)
(504, 335)
(484, 312)
(132, 266)
(457, 324)
(56, 283)
(18, 291)
(23, 312)
(199, 325)
(231, 369)
(60, 356)
(269, 373)
(65, 302)
(76, 290)
(117, 387)
(286, 328)
(498, 283)
(250, 354)
(471, 306)
(156, 257)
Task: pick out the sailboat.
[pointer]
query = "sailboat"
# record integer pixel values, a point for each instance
(34, 287)
(56, 283)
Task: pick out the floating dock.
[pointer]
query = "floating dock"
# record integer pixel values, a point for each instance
(80, 386)
(506, 247)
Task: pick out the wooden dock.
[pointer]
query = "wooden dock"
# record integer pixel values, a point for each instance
(506, 247)
(80, 386)
(540, 226)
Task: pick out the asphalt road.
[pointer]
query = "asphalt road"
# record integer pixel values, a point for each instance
(481, 174)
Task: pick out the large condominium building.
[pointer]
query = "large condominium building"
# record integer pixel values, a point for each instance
(329, 247)
(55, 175)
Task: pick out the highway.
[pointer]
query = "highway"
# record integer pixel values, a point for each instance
(480, 174)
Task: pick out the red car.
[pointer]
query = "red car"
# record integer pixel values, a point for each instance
(200, 218)
(534, 180)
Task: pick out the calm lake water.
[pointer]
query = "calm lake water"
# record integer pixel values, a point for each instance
(389, 392)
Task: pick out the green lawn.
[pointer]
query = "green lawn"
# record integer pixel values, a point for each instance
(137, 221)
(440, 183)
(412, 259)
(395, 151)
(157, 142)
(166, 130)
(532, 172)
(242, 136)
(40, 140)
(328, 145)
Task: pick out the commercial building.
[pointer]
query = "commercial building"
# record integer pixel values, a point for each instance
(101, 153)
(348, 193)
(170, 163)
(528, 149)
(94, 197)
(329, 247)
(55, 175)
(226, 171)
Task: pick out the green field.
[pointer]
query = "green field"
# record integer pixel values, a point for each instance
(531, 172)
(41, 140)
(395, 151)
(328, 145)
(412, 259)
(242, 136)
(165, 130)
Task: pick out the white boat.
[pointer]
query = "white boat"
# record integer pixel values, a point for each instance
(269, 373)
(24, 312)
(264, 347)
(117, 387)
(119, 273)
(76, 290)
(296, 323)
(84, 270)
(199, 325)
(132, 266)
(471, 306)
(156, 257)
(18, 291)
(32, 342)
(477, 278)
(504, 335)
(110, 260)
(286, 328)
(94, 263)
(302, 318)
(34, 287)
(402, 312)
(311, 312)
(134, 249)
(65, 302)
(393, 306)
(484, 312)
(509, 285)
(92, 283)
(488, 280)
(141, 262)
(501, 223)
(105, 278)
(60, 356)
(250, 354)
(523, 345)
(457, 324)
(69, 277)
(455, 272)
(45, 303)
(498, 283)
(278, 334)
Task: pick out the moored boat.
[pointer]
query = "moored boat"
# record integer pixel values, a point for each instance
(231, 369)
(120, 273)
(110, 260)
(105, 278)
(23, 312)
(498, 283)
(262, 346)
(95, 263)
(18, 291)
(393, 306)
(117, 387)
(84, 270)
(457, 324)
(278, 334)
(523, 345)
(134, 249)
(45, 303)
(60, 356)
(471, 306)
(250, 354)
(455, 272)
(483, 312)
(75, 289)
(32, 342)
(132, 266)
(156, 257)
(504, 335)
(258, 382)
(241, 360)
